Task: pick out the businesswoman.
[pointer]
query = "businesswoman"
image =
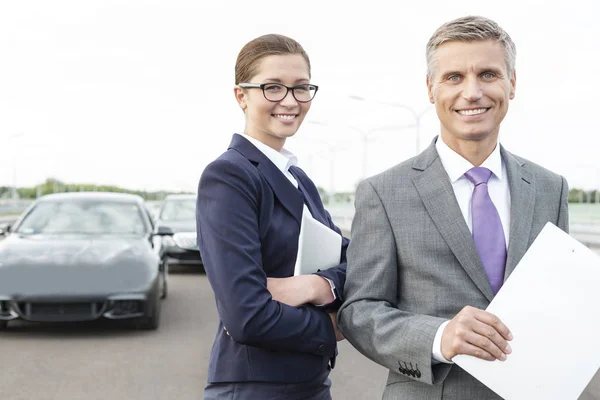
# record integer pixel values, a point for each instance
(277, 332)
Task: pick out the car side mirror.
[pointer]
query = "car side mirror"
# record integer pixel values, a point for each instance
(4, 229)
(163, 231)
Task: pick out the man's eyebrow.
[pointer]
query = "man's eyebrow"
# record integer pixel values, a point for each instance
(450, 73)
(495, 70)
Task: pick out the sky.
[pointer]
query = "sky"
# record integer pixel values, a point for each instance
(139, 94)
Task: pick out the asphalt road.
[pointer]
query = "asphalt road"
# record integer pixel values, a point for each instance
(106, 360)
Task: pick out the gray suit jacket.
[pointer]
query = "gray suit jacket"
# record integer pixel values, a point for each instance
(412, 264)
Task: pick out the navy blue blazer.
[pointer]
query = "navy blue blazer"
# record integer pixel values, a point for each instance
(248, 219)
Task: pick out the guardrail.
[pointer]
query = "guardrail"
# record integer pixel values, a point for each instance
(586, 232)
(8, 219)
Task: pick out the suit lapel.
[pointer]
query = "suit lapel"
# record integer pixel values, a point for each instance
(435, 189)
(296, 173)
(522, 201)
(291, 198)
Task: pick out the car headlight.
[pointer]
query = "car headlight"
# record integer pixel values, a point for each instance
(186, 240)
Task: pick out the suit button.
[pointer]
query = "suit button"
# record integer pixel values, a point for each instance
(322, 348)
(418, 374)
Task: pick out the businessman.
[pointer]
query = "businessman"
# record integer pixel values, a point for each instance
(435, 237)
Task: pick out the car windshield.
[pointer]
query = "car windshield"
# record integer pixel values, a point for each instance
(84, 217)
(179, 210)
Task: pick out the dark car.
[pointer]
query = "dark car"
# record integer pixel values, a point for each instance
(82, 256)
(176, 223)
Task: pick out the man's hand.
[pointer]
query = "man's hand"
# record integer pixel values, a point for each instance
(298, 290)
(477, 333)
(338, 335)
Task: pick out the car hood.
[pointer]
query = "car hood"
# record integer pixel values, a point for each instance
(178, 226)
(36, 265)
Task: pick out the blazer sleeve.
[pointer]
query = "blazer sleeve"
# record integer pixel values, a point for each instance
(337, 274)
(563, 212)
(227, 215)
(369, 317)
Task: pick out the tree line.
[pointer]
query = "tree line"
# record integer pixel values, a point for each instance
(582, 196)
(575, 196)
(55, 186)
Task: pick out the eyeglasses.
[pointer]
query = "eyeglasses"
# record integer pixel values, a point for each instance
(276, 92)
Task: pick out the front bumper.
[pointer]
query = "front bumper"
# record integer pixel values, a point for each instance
(73, 309)
(180, 256)
(181, 248)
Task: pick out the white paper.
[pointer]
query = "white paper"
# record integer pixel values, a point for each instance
(319, 247)
(551, 304)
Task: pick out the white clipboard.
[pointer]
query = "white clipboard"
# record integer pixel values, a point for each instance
(550, 304)
(319, 247)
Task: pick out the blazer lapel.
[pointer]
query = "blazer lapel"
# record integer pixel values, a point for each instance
(435, 189)
(522, 201)
(308, 200)
(291, 198)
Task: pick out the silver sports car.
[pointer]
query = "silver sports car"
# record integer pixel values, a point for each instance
(82, 256)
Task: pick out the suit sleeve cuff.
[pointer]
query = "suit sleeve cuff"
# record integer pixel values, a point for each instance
(332, 286)
(437, 346)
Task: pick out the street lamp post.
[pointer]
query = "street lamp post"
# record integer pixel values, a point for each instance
(14, 165)
(331, 149)
(365, 136)
(416, 116)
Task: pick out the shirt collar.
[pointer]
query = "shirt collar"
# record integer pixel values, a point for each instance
(283, 159)
(456, 165)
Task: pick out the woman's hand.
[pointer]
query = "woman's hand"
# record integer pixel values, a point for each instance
(302, 289)
(338, 334)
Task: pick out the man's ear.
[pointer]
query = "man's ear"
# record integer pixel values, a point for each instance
(513, 85)
(240, 97)
(430, 89)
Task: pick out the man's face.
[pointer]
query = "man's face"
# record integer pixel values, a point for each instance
(470, 88)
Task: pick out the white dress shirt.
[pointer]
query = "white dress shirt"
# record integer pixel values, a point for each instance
(456, 166)
(283, 160)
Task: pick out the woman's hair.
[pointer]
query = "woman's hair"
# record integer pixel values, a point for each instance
(267, 45)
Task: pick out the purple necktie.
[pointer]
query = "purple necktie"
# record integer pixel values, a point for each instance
(487, 228)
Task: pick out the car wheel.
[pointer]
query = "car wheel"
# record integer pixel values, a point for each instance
(164, 279)
(151, 322)
(3, 325)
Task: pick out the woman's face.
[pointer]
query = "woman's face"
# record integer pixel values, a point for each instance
(273, 122)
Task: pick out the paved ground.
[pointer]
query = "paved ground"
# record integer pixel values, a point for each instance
(110, 361)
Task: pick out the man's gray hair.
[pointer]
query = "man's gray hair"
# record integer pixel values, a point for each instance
(470, 29)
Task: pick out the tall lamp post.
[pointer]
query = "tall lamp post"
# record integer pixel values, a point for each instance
(332, 149)
(416, 116)
(365, 136)
(14, 165)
